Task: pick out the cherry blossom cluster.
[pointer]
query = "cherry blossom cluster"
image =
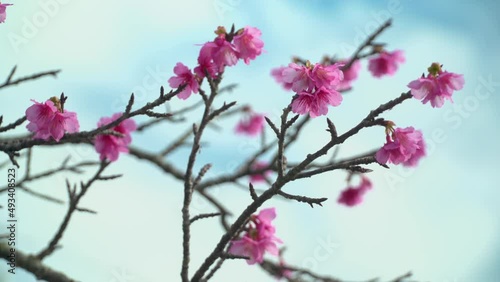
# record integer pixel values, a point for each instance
(404, 146)
(224, 51)
(315, 86)
(3, 11)
(258, 238)
(437, 86)
(50, 120)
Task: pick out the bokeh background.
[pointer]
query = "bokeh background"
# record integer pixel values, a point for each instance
(441, 220)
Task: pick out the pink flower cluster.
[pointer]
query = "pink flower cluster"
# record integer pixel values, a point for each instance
(49, 120)
(437, 86)
(224, 51)
(252, 124)
(258, 238)
(3, 12)
(404, 146)
(353, 195)
(110, 146)
(315, 86)
(386, 63)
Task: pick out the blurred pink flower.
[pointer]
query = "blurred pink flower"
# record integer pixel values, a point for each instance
(353, 196)
(248, 44)
(350, 75)
(3, 12)
(259, 177)
(316, 103)
(110, 146)
(406, 145)
(277, 73)
(258, 239)
(386, 63)
(46, 120)
(251, 124)
(437, 86)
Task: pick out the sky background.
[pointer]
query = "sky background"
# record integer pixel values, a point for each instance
(441, 220)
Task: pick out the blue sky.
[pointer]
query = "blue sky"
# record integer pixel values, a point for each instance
(440, 220)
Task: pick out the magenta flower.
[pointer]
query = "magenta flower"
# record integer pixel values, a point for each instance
(298, 76)
(3, 13)
(353, 196)
(437, 87)
(48, 120)
(110, 146)
(184, 77)
(221, 52)
(328, 77)
(258, 238)
(248, 43)
(350, 75)
(419, 153)
(277, 73)
(316, 103)
(386, 63)
(405, 146)
(259, 177)
(251, 124)
(205, 64)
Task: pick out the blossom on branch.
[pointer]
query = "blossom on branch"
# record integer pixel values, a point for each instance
(403, 146)
(110, 146)
(386, 63)
(3, 12)
(437, 86)
(252, 124)
(353, 195)
(184, 77)
(248, 43)
(258, 238)
(50, 120)
(315, 86)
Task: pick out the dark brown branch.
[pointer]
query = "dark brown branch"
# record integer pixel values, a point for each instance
(35, 266)
(10, 82)
(13, 125)
(367, 43)
(204, 215)
(303, 199)
(74, 199)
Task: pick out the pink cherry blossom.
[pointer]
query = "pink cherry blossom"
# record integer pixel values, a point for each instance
(350, 75)
(316, 103)
(298, 76)
(437, 87)
(251, 124)
(401, 146)
(386, 63)
(415, 157)
(221, 52)
(258, 238)
(110, 146)
(248, 44)
(353, 196)
(259, 177)
(184, 77)
(47, 120)
(327, 76)
(277, 73)
(3, 13)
